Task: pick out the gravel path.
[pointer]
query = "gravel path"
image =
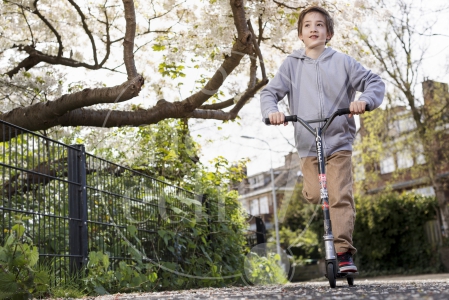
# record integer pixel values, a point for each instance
(435, 286)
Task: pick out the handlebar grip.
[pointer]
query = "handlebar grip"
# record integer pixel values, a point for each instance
(346, 111)
(291, 118)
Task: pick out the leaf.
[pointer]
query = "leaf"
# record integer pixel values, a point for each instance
(8, 283)
(189, 201)
(42, 277)
(132, 230)
(161, 233)
(100, 290)
(152, 277)
(33, 256)
(205, 253)
(158, 47)
(10, 240)
(178, 211)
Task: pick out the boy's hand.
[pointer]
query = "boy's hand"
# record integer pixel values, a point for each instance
(357, 108)
(277, 118)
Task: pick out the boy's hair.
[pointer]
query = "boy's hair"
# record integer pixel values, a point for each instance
(318, 9)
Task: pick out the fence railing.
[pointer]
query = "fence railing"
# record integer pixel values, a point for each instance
(73, 202)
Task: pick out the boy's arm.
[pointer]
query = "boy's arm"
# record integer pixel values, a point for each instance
(367, 82)
(275, 91)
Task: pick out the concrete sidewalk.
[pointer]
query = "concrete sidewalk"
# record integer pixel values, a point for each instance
(439, 276)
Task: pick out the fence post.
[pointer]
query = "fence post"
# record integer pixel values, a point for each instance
(78, 239)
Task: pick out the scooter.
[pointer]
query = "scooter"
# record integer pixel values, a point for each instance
(332, 272)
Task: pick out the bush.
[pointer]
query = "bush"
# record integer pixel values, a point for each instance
(20, 276)
(389, 234)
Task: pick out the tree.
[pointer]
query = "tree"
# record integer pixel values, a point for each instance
(401, 54)
(41, 41)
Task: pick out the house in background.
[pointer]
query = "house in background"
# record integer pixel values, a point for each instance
(256, 192)
(403, 163)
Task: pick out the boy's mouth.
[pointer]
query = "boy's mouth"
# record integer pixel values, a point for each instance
(313, 36)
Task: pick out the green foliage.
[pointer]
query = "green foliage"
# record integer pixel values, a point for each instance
(302, 239)
(127, 277)
(20, 278)
(264, 270)
(389, 234)
(174, 243)
(165, 151)
(171, 70)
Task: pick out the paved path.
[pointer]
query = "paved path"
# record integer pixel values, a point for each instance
(431, 287)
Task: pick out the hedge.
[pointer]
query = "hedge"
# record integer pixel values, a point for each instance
(389, 234)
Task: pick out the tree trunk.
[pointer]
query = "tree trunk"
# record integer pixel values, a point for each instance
(442, 206)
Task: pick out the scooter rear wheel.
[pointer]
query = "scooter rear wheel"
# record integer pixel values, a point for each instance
(350, 280)
(331, 276)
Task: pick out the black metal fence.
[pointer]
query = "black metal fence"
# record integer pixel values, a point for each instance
(73, 202)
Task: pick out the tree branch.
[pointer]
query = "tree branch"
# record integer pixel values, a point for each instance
(257, 50)
(231, 115)
(44, 115)
(35, 57)
(28, 25)
(220, 105)
(238, 11)
(50, 26)
(128, 44)
(86, 30)
(287, 6)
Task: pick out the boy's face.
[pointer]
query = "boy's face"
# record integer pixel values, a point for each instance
(314, 32)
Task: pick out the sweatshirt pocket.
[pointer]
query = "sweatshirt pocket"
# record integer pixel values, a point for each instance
(305, 140)
(338, 133)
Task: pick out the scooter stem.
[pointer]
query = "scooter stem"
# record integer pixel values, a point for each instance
(328, 236)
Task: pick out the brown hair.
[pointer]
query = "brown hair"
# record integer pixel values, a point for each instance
(325, 13)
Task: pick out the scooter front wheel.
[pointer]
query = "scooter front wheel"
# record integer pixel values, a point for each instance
(331, 276)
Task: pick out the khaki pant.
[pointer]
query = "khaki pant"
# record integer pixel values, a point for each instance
(341, 200)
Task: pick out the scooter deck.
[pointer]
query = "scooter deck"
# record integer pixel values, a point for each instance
(348, 274)
(345, 275)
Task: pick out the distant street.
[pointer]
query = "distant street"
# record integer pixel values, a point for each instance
(432, 286)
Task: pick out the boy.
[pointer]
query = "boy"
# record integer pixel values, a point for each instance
(318, 80)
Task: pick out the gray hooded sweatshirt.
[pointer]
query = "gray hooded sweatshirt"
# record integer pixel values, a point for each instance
(315, 89)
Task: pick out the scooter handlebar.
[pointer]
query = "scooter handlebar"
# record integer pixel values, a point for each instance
(291, 118)
(346, 111)
(338, 112)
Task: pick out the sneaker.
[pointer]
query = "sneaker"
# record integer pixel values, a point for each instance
(345, 262)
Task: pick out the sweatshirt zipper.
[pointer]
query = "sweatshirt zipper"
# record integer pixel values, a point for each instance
(320, 95)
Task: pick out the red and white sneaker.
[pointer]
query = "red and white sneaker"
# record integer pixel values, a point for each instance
(345, 262)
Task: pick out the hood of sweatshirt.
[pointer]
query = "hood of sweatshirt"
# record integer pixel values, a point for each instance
(301, 54)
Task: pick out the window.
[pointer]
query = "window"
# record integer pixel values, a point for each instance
(256, 181)
(420, 158)
(246, 206)
(405, 159)
(425, 191)
(387, 165)
(264, 209)
(255, 207)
